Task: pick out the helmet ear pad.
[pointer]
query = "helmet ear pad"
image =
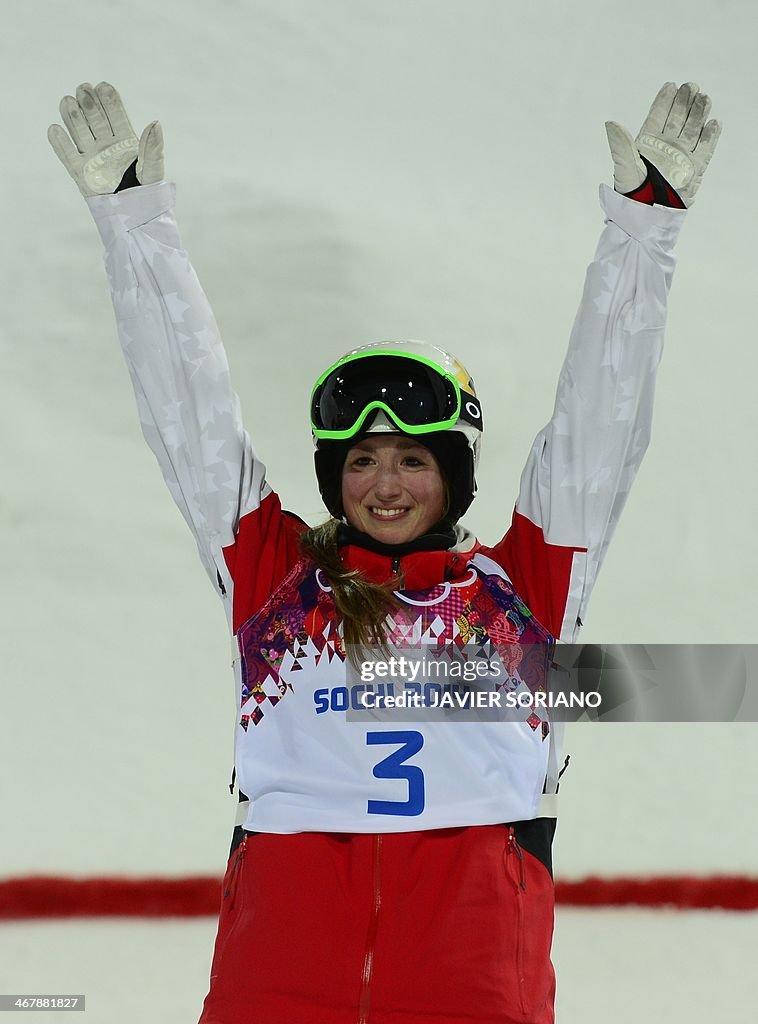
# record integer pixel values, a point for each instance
(329, 458)
(449, 447)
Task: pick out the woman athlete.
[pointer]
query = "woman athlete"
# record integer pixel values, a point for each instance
(387, 870)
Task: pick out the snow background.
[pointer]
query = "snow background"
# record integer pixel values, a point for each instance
(622, 966)
(351, 170)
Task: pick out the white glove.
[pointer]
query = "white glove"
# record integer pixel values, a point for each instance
(675, 138)
(104, 142)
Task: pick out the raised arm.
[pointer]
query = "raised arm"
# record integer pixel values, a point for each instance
(189, 413)
(582, 464)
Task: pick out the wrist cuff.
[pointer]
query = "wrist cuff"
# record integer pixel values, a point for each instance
(655, 190)
(120, 212)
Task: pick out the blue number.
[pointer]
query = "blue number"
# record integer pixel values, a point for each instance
(392, 767)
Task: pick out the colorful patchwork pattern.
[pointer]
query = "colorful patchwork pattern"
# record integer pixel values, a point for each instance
(301, 623)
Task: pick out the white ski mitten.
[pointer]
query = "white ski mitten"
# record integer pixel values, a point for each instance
(676, 138)
(102, 143)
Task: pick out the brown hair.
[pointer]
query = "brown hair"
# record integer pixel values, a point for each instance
(362, 605)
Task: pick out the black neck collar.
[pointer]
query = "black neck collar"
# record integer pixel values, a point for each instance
(441, 537)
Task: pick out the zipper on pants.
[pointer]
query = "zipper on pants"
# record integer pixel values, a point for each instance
(368, 956)
(231, 887)
(515, 851)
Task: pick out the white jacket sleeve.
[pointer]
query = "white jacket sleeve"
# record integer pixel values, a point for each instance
(190, 415)
(582, 464)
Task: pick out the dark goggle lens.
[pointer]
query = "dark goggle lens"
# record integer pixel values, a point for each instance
(413, 391)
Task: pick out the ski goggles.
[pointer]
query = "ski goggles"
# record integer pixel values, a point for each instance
(418, 396)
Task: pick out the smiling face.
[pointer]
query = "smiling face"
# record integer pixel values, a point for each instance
(392, 488)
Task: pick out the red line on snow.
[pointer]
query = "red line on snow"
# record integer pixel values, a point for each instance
(37, 897)
(53, 897)
(678, 892)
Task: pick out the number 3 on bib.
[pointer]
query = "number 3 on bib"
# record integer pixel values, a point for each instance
(393, 767)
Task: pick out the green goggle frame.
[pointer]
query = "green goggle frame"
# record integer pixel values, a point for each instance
(443, 395)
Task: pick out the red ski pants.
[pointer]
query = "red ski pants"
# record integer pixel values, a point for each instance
(451, 926)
